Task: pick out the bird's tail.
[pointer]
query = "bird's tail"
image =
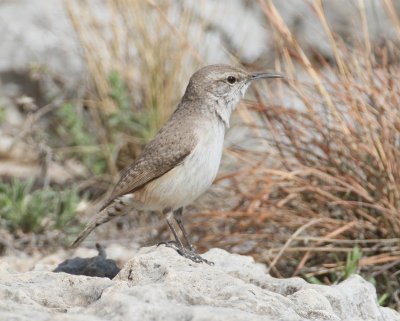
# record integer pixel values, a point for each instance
(102, 217)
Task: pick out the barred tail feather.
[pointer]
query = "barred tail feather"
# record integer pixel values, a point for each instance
(102, 217)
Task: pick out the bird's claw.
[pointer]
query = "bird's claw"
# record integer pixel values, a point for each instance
(193, 256)
(186, 253)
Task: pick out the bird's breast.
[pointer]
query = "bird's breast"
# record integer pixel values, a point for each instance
(206, 157)
(186, 182)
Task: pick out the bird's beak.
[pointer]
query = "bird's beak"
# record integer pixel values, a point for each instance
(260, 75)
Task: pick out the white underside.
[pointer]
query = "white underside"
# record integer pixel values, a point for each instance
(186, 182)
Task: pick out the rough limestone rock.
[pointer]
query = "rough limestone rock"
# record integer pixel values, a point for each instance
(158, 284)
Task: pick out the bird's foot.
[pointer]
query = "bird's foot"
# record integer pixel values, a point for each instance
(193, 255)
(186, 253)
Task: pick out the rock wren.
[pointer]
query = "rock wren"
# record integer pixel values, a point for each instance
(181, 162)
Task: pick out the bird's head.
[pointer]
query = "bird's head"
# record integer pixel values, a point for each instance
(223, 84)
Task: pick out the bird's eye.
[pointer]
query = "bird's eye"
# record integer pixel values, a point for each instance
(231, 79)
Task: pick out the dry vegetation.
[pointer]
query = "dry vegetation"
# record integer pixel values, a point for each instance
(320, 198)
(323, 200)
(134, 57)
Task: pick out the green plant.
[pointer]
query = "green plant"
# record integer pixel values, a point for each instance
(2, 114)
(75, 131)
(313, 280)
(119, 91)
(382, 299)
(23, 208)
(352, 260)
(124, 118)
(73, 125)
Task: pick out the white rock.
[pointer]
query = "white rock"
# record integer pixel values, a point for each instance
(158, 284)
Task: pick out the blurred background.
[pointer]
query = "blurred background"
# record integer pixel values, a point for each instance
(310, 179)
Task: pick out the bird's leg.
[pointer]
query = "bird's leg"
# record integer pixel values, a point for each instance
(191, 252)
(177, 244)
(178, 218)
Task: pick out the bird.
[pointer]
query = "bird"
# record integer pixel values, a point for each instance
(183, 159)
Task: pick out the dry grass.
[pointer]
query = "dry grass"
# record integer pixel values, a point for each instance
(134, 57)
(328, 182)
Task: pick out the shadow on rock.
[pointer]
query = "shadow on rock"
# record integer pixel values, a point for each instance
(98, 265)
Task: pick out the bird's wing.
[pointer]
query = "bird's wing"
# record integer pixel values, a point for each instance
(162, 154)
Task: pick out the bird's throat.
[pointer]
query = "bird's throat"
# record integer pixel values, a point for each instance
(224, 110)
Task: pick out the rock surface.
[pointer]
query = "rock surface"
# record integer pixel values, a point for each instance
(158, 284)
